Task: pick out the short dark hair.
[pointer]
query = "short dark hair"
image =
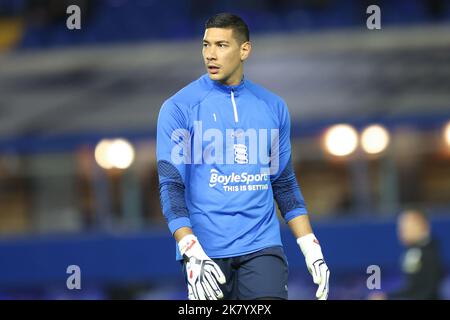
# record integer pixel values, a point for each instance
(229, 21)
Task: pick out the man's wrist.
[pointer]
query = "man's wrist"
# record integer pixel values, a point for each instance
(186, 243)
(307, 243)
(190, 247)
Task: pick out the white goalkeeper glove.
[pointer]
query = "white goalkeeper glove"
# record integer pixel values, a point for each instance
(203, 274)
(316, 264)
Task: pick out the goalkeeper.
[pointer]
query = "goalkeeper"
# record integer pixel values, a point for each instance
(217, 188)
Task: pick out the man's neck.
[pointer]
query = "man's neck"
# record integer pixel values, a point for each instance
(235, 78)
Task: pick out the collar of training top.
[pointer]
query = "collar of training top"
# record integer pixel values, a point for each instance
(227, 89)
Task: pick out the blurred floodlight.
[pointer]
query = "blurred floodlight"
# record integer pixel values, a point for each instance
(118, 153)
(375, 139)
(447, 133)
(121, 154)
(341, 140)
(101, 154)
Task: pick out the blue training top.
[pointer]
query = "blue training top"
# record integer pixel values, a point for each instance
(223, 155)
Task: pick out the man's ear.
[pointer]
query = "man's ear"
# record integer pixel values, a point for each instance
(246, 49)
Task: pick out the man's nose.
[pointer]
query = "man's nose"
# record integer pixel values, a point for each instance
(210, 54)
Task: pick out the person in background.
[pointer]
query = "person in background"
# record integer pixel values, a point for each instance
(421, 264)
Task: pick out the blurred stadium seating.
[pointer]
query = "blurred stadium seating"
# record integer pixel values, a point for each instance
(63, 91)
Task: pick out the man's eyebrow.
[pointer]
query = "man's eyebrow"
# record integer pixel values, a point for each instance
(219, 41)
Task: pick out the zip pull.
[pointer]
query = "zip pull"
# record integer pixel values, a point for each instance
(236, 118)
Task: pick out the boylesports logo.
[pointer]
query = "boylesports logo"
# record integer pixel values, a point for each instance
(243, 178)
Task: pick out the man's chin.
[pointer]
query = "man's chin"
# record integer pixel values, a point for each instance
(215, 76)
